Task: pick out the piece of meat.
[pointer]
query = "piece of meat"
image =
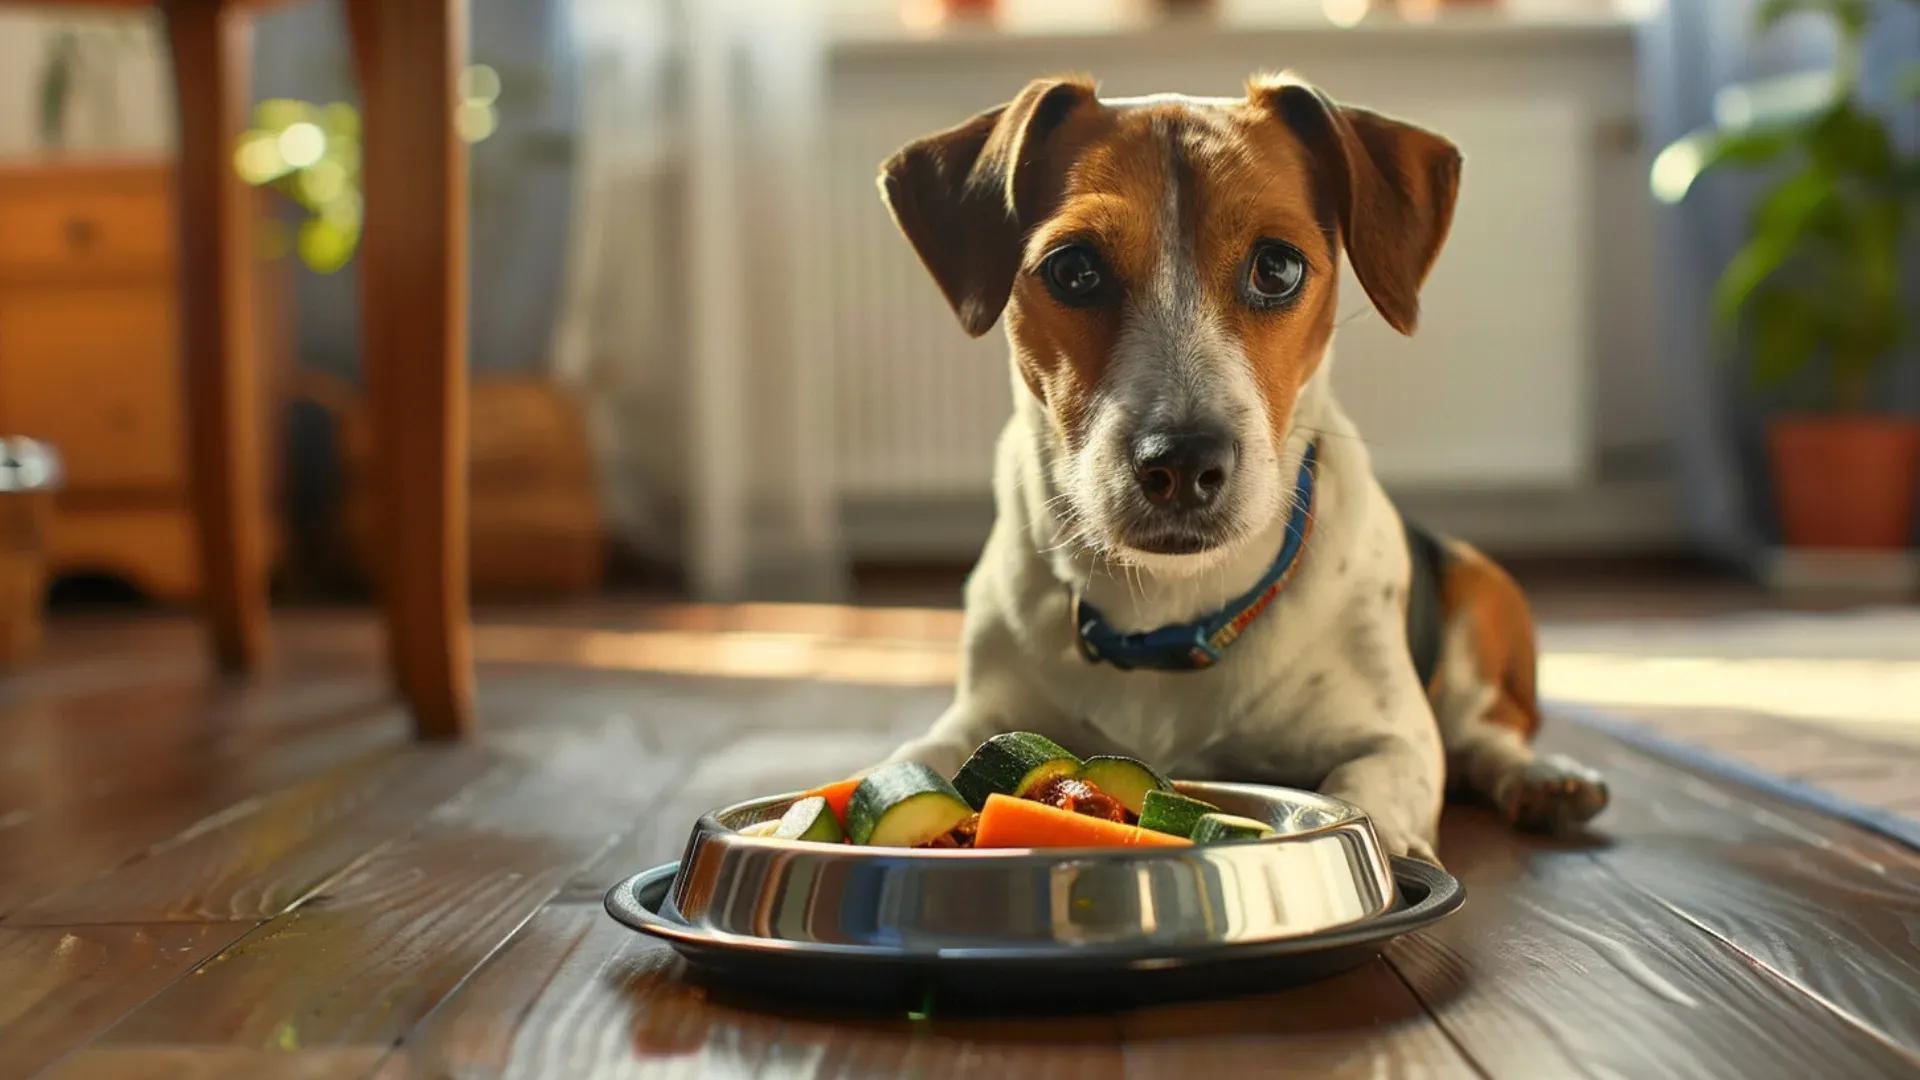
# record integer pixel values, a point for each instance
(1080, 797)
(959, 836)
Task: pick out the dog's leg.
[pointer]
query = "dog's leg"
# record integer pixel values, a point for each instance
(995, 694)
(1395, 781)
(1489, 755)
(946, 746)
(1365, 726)
(1483, 696)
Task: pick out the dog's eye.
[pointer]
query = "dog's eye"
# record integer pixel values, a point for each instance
(1074, 274)
(1275, 273)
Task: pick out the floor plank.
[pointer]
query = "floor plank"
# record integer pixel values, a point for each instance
(1552, 968)
(257, 864)
(73, 842)
(92, 741)
(1874, 765)
(1812, 900)
(60, 987)
(374, 950)
(1364, 1023)
(216, 1063)
(577, 994)
(586, 996)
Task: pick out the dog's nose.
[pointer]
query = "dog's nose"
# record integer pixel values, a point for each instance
(1183, 469)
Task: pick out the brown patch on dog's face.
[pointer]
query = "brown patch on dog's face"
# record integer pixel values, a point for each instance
(1097, 196)
(1270, 192)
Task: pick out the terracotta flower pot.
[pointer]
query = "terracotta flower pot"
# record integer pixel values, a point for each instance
(1845, 481)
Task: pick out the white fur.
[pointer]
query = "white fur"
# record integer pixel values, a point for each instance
(1318, 692)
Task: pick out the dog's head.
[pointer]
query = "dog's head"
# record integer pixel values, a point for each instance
(1167, 268)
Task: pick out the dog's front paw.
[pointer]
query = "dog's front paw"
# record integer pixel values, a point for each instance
(1399, 841)
(1550, 794)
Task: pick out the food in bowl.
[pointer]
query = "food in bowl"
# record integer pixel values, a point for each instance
(1018, 790)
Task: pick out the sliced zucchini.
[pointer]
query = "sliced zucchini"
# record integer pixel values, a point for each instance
(1126, 779)
(1012, 764)
(810, 819)
(904, 804)
(761, 828)
(1172, 813)
(1228, 828)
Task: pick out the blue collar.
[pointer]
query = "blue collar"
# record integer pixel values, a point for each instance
(1194, 646)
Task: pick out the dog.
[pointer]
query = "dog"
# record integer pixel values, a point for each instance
(1192, 561)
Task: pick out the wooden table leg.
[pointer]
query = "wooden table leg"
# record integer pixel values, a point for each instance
(211, 41)
(413, 266)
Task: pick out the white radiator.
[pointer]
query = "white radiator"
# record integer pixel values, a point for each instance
(917, 402)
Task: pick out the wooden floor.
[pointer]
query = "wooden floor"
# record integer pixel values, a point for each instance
(269, 879)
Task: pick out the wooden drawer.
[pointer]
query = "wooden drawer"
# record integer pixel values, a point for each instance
(150, 547)
(93, 371)
(124, 227)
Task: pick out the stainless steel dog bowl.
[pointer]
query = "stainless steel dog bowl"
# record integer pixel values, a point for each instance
(1317, 895)
(1324, 869)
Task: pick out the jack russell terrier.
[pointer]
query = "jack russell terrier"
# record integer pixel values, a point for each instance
(1192, 561)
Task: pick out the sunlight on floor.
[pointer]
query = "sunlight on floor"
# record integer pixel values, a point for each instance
(1867, 691)
(1789, 666)
(734, 654)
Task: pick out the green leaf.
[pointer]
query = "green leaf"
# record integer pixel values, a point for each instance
(1907, 177)
(1866, 293)
(1779, 222)
(1793, 204)
(1786, 333)
(1751, 146)
(1749, 269)
(1848, 140)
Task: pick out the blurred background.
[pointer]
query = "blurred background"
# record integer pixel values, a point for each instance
(1669, 346)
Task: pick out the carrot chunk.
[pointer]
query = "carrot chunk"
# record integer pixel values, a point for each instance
(1007, 822)
(837, 795)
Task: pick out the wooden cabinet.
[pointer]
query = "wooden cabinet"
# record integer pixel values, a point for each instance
(92, 370)
(89, 362)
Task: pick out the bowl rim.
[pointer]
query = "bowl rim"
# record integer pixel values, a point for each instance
(710, 824)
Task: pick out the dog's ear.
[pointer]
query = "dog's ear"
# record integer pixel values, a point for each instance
(1393, 187)
(965, 197)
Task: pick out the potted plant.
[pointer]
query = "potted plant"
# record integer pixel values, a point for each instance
(1816, 294)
